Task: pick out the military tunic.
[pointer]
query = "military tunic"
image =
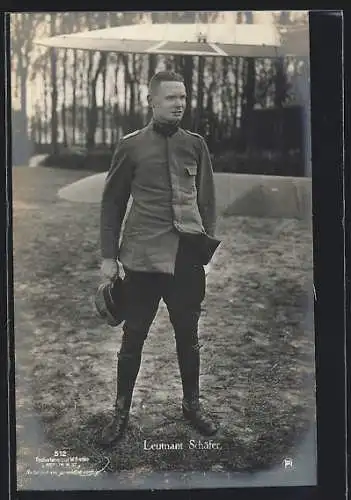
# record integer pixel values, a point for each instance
(171, 183)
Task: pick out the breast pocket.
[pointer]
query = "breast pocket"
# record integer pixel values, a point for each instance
(190, 172)
(191, 169)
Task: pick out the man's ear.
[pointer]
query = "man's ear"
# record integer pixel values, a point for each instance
(149, 100)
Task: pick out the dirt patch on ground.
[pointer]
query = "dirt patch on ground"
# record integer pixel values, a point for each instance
(257, 369)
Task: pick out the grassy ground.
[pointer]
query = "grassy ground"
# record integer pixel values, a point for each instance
(257, 367)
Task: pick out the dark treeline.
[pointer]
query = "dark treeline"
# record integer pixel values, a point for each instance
(89, 99)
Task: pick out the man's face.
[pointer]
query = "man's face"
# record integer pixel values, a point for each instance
(168, 102)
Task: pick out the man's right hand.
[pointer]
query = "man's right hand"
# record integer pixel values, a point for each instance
(110, 269)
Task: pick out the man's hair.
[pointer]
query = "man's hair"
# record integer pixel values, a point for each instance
(163, 76)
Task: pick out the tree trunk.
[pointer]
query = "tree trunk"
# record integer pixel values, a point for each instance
(210, 115)
(129, 83)
(279, 98)
(169, 63)
(152, 66)
(89, 140)
(232, 104)
(115, 107)
(93, 113)
(81, 123)
(178, 64)
(249, 99)
(76, 27)
(250, 84)
(132, 101)
(19, 53)
(23, 91)
(46, 120)
(126, 82)
(225, 95)
(152, 63)
(103, 110)
(280, 84)
(53, 102)
(188, 68)
(200, 93)
(54, 89)
(237, 87)
(15, 55)
(64, 104)
(22, 140)
(74, 98)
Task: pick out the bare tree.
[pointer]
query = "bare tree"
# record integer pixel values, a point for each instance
(54, 117)
(93, 111)
(23, 28)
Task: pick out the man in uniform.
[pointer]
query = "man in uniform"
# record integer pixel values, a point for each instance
(168, 172)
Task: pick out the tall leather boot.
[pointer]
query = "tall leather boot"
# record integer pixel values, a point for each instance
(127, 370)
(189, 366)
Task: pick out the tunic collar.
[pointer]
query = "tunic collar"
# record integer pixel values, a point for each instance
(164, 129)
